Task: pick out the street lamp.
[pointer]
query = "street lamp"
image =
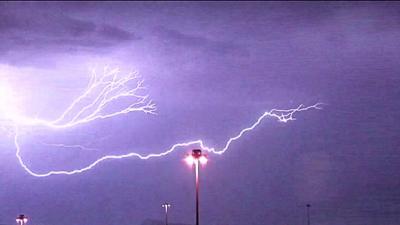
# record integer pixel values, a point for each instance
(308, 213)
(196, 158)
(21, 219)
(166, 206)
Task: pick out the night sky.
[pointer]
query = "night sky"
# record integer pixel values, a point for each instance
(212, 69)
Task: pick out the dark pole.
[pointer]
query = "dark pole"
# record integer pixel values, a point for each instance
(308, 213)
(166, 215)
(197, 158)
(197, 191)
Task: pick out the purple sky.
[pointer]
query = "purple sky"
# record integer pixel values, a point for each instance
(212, 68)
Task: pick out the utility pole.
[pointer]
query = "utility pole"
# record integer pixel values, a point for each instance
(308, 213)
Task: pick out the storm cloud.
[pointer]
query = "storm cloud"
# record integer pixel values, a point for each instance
(22, 33)
(212, 68)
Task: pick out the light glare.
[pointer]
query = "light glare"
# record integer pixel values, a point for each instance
(203, 160)
(7, 102)
(189, 160)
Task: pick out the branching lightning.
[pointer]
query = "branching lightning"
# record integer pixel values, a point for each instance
(92, 104)
(81, 147)
(100, 93)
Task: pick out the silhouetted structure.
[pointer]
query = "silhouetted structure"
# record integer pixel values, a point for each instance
(159, 222)
(308, 213)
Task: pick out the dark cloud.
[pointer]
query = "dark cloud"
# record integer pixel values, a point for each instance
(114, 33)
(57, 32)
(177, 38)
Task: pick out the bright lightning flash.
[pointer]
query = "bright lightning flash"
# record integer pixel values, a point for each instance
(8, 110)
(92, 104)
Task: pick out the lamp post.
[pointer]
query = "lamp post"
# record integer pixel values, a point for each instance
(21, 219)
(197, 158)
(308, 213)
(166, 206)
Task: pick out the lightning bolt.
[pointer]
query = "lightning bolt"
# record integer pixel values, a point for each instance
(92, 104)
(107, 88)
(81, 147)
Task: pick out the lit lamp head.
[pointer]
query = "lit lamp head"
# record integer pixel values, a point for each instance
(21, 219)
(196, 157)
(166, 205)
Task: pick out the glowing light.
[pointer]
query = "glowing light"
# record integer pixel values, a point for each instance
(21, 219)
(166, 205)
(190, 160)
(203, 160)
(109, 87)
(8, 108)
